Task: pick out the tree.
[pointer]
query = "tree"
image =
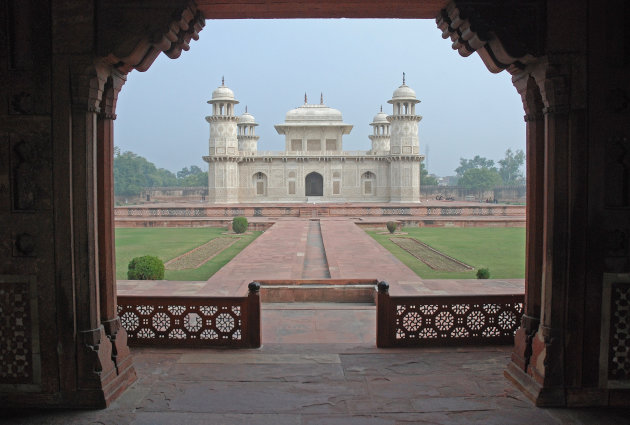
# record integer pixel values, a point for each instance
(476, 162)
(510, 167)
(192, 177)
(132, 173)
(425, 178)
(480, 179)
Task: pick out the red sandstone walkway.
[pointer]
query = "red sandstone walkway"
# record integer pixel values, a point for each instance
(279, 254)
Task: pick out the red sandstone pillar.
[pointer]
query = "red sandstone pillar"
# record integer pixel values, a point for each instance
(383, 316)
(532, 103)
(106, 244)
(95, 368)
(254, 331)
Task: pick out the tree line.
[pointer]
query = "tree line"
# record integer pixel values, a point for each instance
(483, 174)
(133, 173)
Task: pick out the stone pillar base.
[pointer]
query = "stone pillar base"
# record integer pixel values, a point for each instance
(540, 396)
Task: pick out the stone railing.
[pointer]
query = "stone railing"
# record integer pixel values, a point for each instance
(445, 319)
(194, 321)
(331, 209)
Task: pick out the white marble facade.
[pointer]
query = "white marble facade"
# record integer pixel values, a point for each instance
(313, 167)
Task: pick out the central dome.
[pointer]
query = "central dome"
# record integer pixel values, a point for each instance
(312, 113)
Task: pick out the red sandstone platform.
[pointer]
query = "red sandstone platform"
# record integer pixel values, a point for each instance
(279, 255)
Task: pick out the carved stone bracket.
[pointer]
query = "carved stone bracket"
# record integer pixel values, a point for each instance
(110, 96)
(501, 33)
(136, 42)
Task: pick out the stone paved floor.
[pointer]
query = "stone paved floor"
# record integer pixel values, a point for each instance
(344, 381)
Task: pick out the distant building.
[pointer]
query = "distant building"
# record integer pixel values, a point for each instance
(313, 167)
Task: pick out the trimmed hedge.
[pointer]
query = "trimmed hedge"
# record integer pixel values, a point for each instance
(147, 267)
(391, 226)
(483, 273)
(239, 224)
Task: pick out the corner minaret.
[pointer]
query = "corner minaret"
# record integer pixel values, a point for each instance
(223, 150)
(404, 145)
(247, 139)
(380, 136)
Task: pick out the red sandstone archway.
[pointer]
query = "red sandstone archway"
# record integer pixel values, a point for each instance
(494, 54)
(85, 48)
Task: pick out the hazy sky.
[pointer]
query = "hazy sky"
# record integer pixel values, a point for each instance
(357, 64)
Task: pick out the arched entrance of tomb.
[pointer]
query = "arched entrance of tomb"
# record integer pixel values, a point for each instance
(314, 184)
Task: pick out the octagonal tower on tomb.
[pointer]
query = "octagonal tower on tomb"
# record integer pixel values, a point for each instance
(246, 134)
(404, 145)
(223, 149)
(380, 133)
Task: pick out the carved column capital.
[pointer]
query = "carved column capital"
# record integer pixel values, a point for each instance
(561, 81)
(530, 96)
(87, 80)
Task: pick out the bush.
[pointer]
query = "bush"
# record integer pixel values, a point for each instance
(483, 273)
(391, 226)
(239, 224)
(147, 267)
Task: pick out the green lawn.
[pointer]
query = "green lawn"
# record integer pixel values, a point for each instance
(168, 243)
(502, 250)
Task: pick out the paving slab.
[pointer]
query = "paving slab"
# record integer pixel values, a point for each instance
(366, 385)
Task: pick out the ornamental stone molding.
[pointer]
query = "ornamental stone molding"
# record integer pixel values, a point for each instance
(502, 34)
(132, 37)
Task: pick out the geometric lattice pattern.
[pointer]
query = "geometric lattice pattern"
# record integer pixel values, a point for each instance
(182, 321)
(619, 340)
(426, 320)
(16, 354)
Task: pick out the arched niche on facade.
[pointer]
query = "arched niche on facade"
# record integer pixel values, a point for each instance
(260, 183)
(368, 183)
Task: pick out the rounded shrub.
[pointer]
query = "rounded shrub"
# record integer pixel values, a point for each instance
(239, 224)
(391, 226)
(483, 273)
(147, 267)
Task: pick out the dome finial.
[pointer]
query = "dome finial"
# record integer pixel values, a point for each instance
(222, 80)
(305, 98)
(403, 78)
(321, 98)
(245, 108)
(381, 108)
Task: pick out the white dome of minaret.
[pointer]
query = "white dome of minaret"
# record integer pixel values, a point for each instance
(404, 100)
(247, 138)
(222, 93)
(380, 133)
